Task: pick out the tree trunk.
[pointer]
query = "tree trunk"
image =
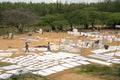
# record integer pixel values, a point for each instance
(52, 27)
(92, 24)
(114, 25)
(86, 26)
(71, 26)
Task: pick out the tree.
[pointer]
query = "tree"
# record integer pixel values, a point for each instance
(0, 17)
(94, 16)
(53, 20)
(19, 18)
(48, 19)
(72, 18)
(104, 16)
(84, 18)
(114, 19)
(74, 13)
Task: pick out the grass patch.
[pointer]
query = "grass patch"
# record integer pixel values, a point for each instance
(109, 73)
(27, 76)
(2, 64)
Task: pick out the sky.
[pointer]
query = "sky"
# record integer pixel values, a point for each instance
(52, 1)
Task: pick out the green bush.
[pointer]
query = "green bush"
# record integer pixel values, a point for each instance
(2, 64)
(111, 73)
(115, 69)
(27, 76)
(93, 69)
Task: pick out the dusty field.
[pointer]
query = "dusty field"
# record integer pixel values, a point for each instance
(72, 75)
(54, 38)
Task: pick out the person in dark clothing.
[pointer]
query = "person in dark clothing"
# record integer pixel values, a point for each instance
(26, 47)
(48, 48)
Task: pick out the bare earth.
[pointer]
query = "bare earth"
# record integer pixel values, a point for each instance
(71, 75)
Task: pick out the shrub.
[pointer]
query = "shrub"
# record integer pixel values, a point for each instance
(109, 73)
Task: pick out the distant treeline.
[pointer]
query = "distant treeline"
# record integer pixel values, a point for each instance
(58, 15)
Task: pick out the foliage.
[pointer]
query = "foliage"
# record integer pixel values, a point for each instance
(114, 19)
(4, 64)
(55, 14)
(109, 6)
(27, 76)
(53, 20)
(115, 70)
(103, 71)
(16, 17)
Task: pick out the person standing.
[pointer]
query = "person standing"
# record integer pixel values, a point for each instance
(48, 48)
(26, 47)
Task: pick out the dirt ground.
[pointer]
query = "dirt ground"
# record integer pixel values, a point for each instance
(54, 38)
(70, 74)
(73, 76)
